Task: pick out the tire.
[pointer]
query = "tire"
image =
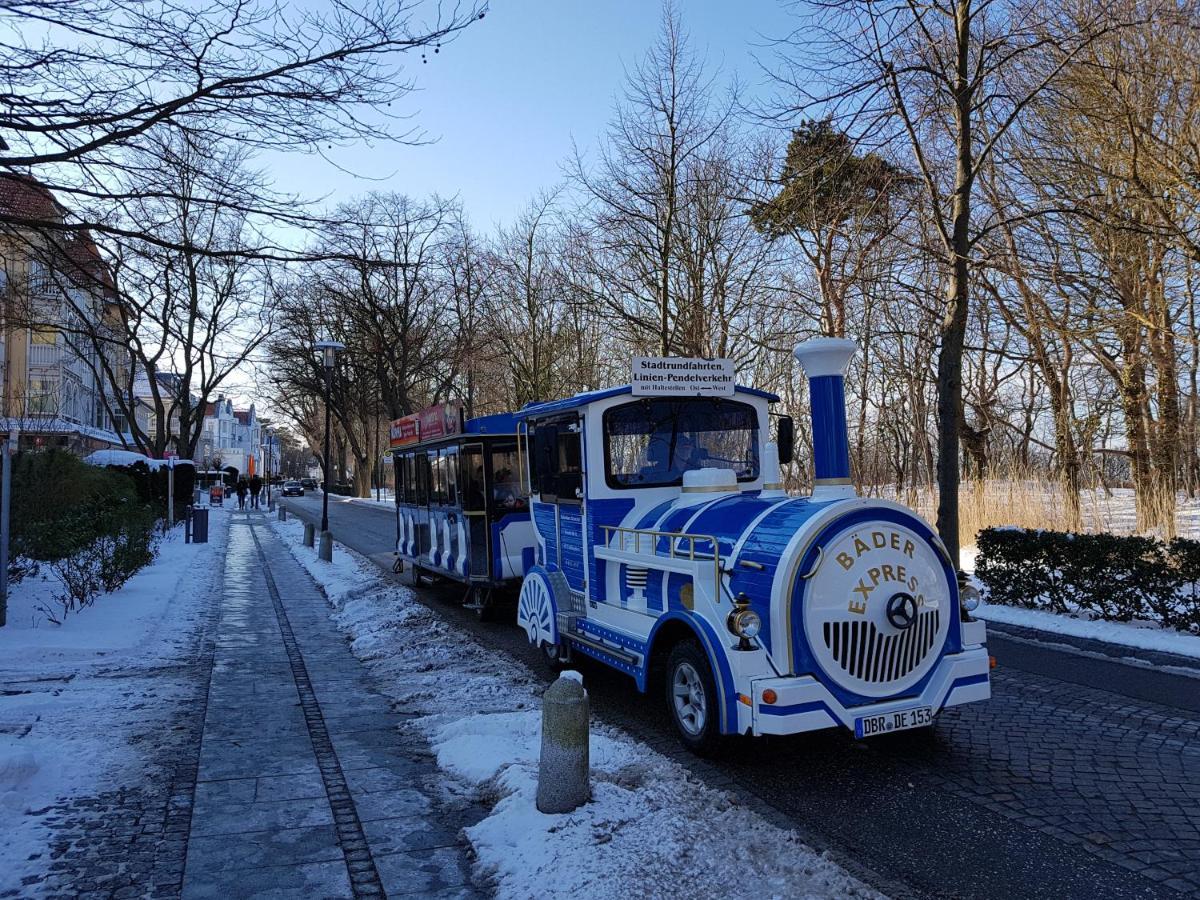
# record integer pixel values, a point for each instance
(553, 656)
(691, 697)
(485, 608)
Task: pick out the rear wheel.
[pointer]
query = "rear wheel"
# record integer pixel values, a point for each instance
(554, 656)
(692, 698)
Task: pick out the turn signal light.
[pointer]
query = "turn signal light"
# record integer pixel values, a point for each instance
(742, 698)
(991, 662)
(769, 696)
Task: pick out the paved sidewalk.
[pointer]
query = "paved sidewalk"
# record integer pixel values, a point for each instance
(306, 787)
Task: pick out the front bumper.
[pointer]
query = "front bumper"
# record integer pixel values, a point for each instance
(803, 703)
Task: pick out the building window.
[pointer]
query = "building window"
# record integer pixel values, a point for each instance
(43, 397)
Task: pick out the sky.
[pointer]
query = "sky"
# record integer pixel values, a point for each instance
(503, 102)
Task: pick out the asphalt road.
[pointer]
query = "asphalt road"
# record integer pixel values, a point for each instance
(1079, 779)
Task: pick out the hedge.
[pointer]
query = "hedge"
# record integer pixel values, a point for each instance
(1112, 577)
(88, 524)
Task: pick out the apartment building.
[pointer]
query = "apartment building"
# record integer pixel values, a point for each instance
(237, 438)
(55, 293)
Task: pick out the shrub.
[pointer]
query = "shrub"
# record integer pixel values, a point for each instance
(88, 524)
(1109, 576)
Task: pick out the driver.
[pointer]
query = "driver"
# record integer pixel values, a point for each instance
(688, 454)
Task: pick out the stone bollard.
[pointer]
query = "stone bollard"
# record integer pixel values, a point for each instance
(282, 513)
(326, 550)
(564, 771)
(310, 533)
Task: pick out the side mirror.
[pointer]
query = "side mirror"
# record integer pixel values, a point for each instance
(786, 439)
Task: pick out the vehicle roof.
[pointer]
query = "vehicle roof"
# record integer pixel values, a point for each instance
(531, 410)
(499, 424)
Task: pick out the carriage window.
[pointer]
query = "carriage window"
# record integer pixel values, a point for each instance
(450, 467)
(508, 493)
(398, 476)
(421, 470)
(651, 443)
(472, 478)
(437, 484)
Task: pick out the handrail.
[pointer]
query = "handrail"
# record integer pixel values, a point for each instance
(675, 538)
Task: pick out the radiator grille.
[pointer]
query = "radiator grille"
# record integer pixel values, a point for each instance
(866, 653)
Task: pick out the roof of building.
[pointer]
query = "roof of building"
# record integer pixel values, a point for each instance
(583, 399)
(27, 198)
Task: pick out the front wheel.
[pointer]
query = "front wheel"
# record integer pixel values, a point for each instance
(692, 698)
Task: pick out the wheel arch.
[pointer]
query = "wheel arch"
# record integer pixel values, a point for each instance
(669, 630)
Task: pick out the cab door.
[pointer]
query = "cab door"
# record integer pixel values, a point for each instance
(559, 446)
(475, 511)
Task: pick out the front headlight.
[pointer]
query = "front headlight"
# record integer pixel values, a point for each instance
(745, 623)
(969, 597)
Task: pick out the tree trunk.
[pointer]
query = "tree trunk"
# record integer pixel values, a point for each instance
(954, 322)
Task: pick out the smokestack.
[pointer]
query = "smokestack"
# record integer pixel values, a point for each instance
(824, 361)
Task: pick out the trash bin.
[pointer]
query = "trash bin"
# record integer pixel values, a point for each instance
(200, 526)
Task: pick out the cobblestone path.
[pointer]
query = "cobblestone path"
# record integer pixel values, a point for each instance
(306, 787)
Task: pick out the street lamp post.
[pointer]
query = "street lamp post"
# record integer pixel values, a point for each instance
(269, 460)
(329, 351)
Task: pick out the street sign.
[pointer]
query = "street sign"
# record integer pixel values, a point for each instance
(657, 376)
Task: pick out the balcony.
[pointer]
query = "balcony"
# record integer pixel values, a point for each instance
(44, 354)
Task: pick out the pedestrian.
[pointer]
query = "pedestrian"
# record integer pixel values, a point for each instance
(256, 485)
(241, 489)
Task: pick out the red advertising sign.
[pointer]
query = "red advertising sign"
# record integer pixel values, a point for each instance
(404, 431)
(438, 421)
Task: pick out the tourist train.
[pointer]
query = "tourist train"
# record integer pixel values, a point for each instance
(649, 530)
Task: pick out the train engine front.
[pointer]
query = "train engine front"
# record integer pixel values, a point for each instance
(665, 543)
(836, 609)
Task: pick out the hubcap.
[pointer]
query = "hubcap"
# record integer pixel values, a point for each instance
(691, 706)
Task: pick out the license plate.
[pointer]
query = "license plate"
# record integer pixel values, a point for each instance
(869, 726)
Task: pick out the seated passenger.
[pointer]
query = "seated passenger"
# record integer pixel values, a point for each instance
(506, 492)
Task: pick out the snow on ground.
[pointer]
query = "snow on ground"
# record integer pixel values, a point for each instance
(81, 702)
(1140, 636)
(651, 829)
(385, 500)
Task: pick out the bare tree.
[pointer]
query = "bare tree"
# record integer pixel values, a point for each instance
(665, 122)
(947, 80)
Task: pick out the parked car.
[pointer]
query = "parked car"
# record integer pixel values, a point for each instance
(309, 484)
(293, 489)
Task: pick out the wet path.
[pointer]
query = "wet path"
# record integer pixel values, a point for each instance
(307, 786)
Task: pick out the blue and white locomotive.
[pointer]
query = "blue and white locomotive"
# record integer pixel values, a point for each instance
(664, 543)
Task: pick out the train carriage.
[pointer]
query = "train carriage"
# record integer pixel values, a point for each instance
(665, 543)
(462, 512)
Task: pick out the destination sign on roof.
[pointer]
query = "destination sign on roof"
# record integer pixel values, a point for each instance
(656, 376)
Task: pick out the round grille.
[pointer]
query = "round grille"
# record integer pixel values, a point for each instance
(865, 573)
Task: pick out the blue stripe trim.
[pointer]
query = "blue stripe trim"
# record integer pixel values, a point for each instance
(965, 681)
(797, 709)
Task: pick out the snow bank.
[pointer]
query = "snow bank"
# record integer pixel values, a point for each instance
(1140, 636)
(651, 829)
(129, 458)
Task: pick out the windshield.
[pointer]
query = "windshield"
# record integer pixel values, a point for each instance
(651, 443)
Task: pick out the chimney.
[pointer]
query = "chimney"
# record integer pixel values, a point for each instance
(824, 361)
